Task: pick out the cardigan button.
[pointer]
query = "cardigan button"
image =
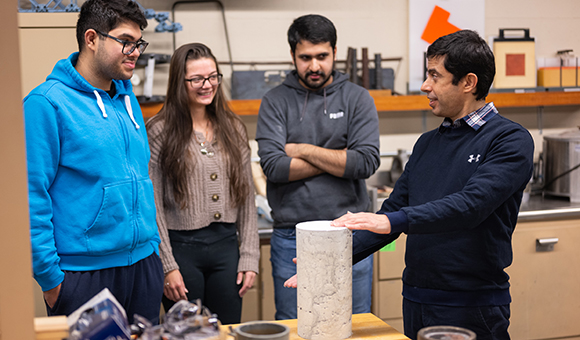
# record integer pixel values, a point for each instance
(213, 176)
(217, 216)
(215, 197)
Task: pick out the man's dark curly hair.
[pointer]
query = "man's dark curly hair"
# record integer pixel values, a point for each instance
(313, 28)
(106, 15)
(466, 52)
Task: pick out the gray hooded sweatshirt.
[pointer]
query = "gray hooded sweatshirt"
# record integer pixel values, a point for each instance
(339, 116)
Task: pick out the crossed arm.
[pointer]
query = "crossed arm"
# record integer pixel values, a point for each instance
(310, 160)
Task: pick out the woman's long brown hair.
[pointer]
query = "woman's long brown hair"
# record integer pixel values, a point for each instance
(174, 159)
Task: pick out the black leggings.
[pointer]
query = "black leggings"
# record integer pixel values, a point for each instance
(208, 261)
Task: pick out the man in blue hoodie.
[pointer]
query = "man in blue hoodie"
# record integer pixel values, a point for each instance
(318, 141)
(457, 200)
(92, 213)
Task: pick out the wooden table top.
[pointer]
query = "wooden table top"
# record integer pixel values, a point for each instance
(364, 326)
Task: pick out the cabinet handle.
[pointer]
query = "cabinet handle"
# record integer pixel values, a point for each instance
(546, 244)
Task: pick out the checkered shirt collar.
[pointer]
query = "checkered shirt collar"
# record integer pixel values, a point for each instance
(476, 119)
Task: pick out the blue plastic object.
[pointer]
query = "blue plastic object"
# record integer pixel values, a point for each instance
(102, 321)
(57, 6)
(50, 6)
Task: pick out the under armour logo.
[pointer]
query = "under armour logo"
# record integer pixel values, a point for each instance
(471, 158)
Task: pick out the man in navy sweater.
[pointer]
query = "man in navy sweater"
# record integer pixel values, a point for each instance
(457, 200)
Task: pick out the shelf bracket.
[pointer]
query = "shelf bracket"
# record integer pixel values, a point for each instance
(540, 118)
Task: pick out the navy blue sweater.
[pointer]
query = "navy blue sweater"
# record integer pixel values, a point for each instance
(458, 201)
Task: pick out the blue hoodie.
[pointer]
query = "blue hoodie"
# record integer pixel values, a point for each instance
(91, 199)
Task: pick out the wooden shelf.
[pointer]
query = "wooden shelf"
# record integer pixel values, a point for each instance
(534, 99)
(417, 102)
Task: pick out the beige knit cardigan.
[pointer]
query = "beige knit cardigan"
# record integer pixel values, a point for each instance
(208, 178)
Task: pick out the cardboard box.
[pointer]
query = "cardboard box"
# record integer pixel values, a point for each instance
(550, 76)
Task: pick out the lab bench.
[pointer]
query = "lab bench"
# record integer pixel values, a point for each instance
(544, 275)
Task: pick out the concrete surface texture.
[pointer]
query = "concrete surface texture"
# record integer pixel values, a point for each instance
(324, 268)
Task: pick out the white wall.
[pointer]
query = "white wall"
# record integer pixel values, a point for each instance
(257, 31)
(257, 28)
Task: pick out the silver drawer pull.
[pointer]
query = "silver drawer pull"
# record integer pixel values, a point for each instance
(546, 244)
(548, 241)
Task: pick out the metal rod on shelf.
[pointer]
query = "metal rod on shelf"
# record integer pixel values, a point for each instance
(353, 65)
(366, 82)
(251, 63)
(378, 72)
(540, 117)
(219, 3)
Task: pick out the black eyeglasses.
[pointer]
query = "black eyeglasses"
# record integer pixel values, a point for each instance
(128, 46)
(214, 80)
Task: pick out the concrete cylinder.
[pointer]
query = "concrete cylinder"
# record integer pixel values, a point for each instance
(324, 269)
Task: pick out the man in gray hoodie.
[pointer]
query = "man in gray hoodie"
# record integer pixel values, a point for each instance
(318, 141)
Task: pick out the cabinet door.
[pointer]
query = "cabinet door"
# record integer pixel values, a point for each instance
(251, 305)
(389, 298)
(45, 38)
(392, 261)
(266, 285)
(545, 285)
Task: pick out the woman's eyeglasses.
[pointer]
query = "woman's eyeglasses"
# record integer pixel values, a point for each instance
(213, 80)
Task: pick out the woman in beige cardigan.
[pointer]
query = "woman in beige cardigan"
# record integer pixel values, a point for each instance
(200, 168)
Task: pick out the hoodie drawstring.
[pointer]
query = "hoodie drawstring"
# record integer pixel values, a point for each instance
(304, 106)
(324, 91)
(306, 102)
(127, 105)
(130, 110)
(100, 103)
